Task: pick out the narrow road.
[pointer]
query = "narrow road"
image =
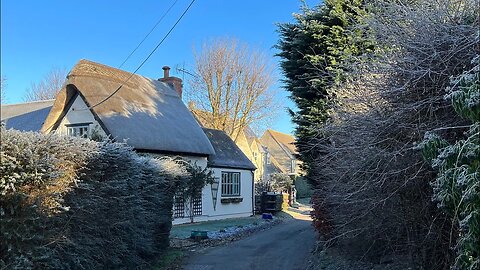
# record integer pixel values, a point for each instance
(285, 246)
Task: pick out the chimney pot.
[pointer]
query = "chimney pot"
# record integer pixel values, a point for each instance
(174, 82)
(166, 71)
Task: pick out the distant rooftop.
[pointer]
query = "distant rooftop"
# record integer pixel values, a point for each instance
(28, 116)
(12, 110)
(285, 140)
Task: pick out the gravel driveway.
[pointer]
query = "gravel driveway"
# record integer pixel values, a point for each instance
(285, 246)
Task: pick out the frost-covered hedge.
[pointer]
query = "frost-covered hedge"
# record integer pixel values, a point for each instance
(68, 203)
(457, 186)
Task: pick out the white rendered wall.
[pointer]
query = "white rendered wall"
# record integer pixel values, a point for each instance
(225, 210)
(79, 113)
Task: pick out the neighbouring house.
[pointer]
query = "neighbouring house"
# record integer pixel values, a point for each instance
(259, 154)
(281, 157)
(25, 116)
(149, 115)
(274, 152)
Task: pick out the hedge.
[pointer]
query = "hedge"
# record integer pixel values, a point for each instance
(72, 203)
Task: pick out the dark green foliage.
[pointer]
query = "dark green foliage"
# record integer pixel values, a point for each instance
(373, 196)
(457, 186)
(197, 179)
(99, 206)
(304, 189)
(192, 186)
(313, 50)
(123, 202)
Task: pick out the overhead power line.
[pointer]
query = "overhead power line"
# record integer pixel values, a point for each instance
(146, 59)
(148, 34)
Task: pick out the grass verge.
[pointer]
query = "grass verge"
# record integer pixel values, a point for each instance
(170, 260)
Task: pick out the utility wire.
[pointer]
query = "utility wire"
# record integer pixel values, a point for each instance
(146, 59)
(151, 30)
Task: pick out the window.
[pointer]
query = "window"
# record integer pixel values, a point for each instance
(78, 130)
(293, 165)
(255, 156)
(230, 184)
(267, 157)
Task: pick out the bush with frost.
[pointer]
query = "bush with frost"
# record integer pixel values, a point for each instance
(69, 203)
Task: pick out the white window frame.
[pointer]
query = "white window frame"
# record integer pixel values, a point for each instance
(230, 186)
(78, 130)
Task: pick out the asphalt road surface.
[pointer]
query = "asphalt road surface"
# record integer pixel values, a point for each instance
(285, 246)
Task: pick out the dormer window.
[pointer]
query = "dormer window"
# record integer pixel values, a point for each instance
(78, 130)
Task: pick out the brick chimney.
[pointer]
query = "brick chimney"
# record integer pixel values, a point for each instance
(175, 82)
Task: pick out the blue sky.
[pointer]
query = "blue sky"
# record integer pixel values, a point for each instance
(37, 36)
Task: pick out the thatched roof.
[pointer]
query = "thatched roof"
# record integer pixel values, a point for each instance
(26, 116)
(227, 154)
(147, 113)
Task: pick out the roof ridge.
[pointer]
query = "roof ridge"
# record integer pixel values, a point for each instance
(90, 62)
(88, 68)
(91, 69)
(30, 102)
(281, 133)
(205, 128)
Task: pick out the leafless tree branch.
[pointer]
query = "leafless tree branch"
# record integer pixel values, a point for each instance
(48, 87)
(233, 84)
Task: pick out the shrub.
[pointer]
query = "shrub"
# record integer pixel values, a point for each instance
(457, 186)
(278, 182)
(262, 186)
(304, 189)
(70, 203)
(371, 180)
(281, 182)
(191, 187)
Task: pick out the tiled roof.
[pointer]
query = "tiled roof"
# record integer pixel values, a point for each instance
(227, 154)
(285, 140)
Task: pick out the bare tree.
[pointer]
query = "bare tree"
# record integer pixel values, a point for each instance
(48, 87)
(232, 86)
(3, 84)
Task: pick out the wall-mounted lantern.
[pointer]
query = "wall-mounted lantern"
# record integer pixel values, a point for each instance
(214, 186)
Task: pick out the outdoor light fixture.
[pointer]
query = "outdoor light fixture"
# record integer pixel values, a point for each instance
(214, 186)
